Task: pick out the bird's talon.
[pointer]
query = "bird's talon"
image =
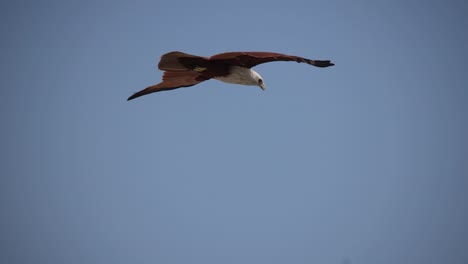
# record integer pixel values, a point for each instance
(199, 69)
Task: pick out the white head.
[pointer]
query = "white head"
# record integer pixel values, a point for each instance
(257, 80)
(244, 76)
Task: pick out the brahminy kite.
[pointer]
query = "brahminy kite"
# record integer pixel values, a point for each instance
(185, 70)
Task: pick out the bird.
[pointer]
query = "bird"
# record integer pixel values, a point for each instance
(185, 70)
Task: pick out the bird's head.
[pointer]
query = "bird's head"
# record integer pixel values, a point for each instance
(257, 79)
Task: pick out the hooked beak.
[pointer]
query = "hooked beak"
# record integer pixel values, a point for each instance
(262, 86)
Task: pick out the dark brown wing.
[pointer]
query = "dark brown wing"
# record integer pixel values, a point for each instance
(179, 61)
(172, 80)
(251, 59)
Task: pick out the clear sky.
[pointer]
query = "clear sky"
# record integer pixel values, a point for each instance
(361, 163)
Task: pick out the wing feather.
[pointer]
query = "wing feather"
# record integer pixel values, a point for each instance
(251, 59)
(179, 61)
(172, 80)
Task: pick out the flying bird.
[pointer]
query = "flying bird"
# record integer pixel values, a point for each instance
(185, 70)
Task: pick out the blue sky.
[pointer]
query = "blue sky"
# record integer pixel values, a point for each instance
(364, 162)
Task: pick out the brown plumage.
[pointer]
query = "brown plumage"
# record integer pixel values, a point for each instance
(184, 70)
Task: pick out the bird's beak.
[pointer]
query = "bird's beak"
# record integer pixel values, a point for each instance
(262, 86)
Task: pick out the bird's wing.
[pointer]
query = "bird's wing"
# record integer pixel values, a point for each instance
(172, 80)
(251, 59)
(179, 61)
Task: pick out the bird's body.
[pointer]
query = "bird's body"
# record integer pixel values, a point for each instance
(184, 70)
(240, 75)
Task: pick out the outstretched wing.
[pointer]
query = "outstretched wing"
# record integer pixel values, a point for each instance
(172, 80)
(179, 61)
(251, 59)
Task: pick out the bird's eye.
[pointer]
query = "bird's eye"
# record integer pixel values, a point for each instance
(260, 81)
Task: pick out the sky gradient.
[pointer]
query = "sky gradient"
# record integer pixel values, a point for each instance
(361, 163)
